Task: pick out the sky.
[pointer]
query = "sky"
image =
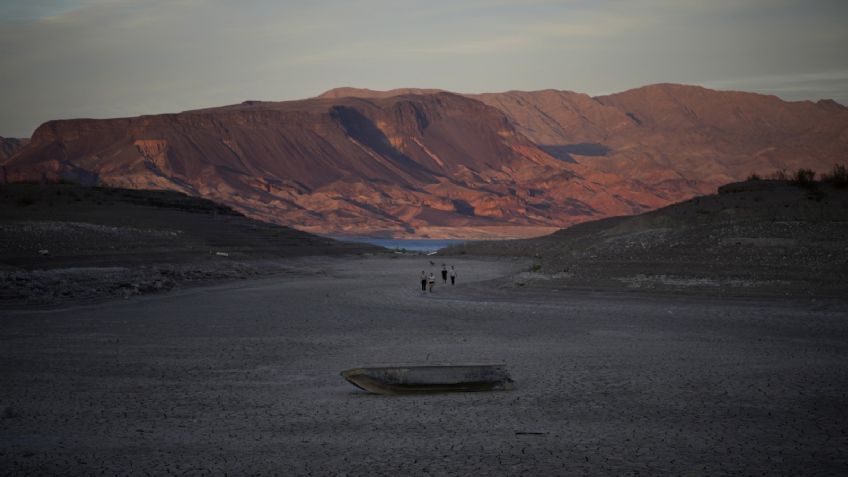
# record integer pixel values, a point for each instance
(109, 58)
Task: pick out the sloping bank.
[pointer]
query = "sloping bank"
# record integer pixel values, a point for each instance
(755, 237)
(65, 243)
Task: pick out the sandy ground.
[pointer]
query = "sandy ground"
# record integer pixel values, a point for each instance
(243, 378)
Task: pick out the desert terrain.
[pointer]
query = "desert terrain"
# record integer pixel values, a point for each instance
(63, 243)
(243, 378)
(213, 235)
(164, 334)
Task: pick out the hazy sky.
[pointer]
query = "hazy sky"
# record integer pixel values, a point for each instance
(107, 58)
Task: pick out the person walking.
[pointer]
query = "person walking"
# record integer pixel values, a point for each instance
(444, 274)
(423, 281)
(453, 275)
(432, 281)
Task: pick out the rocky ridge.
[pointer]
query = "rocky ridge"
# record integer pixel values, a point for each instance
(417, 164)
(427, 163)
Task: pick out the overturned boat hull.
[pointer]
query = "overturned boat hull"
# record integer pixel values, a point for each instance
(432, 378)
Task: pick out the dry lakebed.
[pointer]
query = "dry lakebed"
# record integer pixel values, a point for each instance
(243, 378)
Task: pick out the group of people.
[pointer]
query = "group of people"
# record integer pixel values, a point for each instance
(430, 280)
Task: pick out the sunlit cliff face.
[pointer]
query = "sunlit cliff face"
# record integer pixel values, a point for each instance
(446, 165)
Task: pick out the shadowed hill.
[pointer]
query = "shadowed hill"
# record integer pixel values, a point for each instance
(750, 236)
(61, 243)
(94, 226)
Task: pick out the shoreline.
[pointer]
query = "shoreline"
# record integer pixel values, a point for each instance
(46, 289)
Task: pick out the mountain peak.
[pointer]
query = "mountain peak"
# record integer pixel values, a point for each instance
(348, 91)
(831, 105)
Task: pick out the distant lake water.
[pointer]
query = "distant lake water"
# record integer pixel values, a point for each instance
(413, 245)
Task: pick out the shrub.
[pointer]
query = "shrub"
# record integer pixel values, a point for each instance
(804, 176)
(779, 175)
(754, 177)
(838, 176)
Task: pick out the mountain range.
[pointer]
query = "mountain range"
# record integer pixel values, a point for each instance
(9, 146)
(431, 163)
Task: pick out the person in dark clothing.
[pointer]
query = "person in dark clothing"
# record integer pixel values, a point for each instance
(423, 281)
(445, 274)
(453, 275)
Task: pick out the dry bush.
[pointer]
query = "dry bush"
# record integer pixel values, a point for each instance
(838, 176)
(779, 175)
(803, 177)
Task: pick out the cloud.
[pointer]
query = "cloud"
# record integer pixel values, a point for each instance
(790, 78)
(100, 58)
(596, 27)
(27, 11)
(472, 47)
(831, 84)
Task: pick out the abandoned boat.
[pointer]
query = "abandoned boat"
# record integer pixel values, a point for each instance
(430, 378)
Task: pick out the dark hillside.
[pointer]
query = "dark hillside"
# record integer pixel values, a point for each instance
(68, 240)
(757, 235)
